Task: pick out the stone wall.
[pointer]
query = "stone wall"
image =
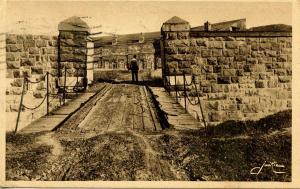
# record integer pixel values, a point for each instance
(240, 75)
(31, 56)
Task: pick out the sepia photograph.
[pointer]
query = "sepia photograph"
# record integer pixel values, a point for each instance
(147, 91)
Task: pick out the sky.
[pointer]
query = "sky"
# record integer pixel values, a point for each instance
(42, 17)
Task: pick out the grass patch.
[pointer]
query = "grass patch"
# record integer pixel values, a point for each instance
(24, 157)
(232, 149)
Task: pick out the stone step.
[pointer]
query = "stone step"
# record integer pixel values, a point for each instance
(176, 114)
(52, 121)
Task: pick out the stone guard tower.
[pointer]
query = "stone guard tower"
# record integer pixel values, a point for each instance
(175, 46)
(75, 51)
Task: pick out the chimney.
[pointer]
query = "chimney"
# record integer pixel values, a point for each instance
(207, 26)
(141, 38)
(114, 39)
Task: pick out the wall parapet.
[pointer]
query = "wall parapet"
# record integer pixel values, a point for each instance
(240, 34)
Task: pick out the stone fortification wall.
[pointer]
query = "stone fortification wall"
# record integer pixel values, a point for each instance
(240, 75)
(31, 56)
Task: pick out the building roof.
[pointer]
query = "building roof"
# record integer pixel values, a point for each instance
(222, 26)
(272, 27)
(73, 23)
(176, 20)
(127, 38)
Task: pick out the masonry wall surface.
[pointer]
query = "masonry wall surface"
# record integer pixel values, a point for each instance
(73, 51)
(31, 56)
(240, 75)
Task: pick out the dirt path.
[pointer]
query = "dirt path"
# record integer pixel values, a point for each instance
(106, 140)
(48, 139)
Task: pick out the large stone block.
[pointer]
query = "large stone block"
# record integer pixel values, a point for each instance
(29, 43)
(284, 39)
(183, 35)
(13, 64)
(172, 65)
(231, 44)
(229, 72)
(52, 43)
(271, 53)
(175, 57)
(14, 48)
(261, 84)
(53, 51)
(217, 116)
(252, 39)
(11, 39)
(254, 46)
(206, 53)
(252, 61)
(16, 73)
(277, 65)
(234, 79)
(66, 50)
(282, 58)
(228, 53)
(212, 105)
(12, 56)
(183, 50)
(195, 50)
(45, 37)
(244, 50)
(224, 80)
(264, 60)
(217, 69)
(181, 43)
(206, 89)
(249, 108)
(33, 50)
(225, 61)
(41, 43)
(212, 61)
(208, 68)
(268, 40)
(37, 70)
(215, 44)
(27, 62)
(202, 42)
(280, 72)
(240, 72)
(216, 52)
(184, 64)
(17, 83)
(264, 46)
(229, 107)
(240, 58)
(284, 79)
(66, 35)
(171, 35)
(211, 77)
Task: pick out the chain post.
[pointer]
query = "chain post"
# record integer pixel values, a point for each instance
(184, 89)
(176, 95)
(64, 92)
(47, 93)
(21, 104)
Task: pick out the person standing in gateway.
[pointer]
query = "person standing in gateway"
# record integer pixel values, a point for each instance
(134, 69)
